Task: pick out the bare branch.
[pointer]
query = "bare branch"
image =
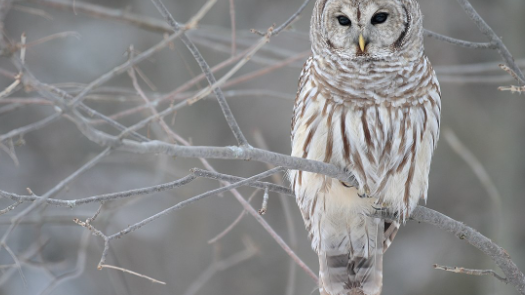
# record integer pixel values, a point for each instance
(57, 96)
(101, 198)
(57, 188)
(192, 200)
(238, 153)
(228, 115)
(496, 253)
(487, 31)
(231, 72)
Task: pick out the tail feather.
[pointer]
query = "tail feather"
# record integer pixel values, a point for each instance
(391, 228)
(357, 268)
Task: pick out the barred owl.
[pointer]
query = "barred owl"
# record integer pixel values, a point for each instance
(368, 101)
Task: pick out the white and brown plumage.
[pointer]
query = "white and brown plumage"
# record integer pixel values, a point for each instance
(368, 101)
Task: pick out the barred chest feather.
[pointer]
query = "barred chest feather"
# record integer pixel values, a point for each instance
(380, 120)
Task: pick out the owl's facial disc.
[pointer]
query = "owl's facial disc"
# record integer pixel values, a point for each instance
(364, 28)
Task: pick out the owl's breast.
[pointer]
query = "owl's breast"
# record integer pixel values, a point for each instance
(383, 131)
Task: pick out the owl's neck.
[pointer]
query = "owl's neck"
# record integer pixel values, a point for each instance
(368, 81)
(330, 65)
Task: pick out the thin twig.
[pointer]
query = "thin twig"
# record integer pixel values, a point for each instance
(233, 224)
(264, 206)
(458, 42)
(473, 68)
(133, 273)
(480, 173)
(289, 21)
(101, 198)
(512, 88)
(467, 271)
(10, 207)
(11, 88)
(52, 37)
(232, 20)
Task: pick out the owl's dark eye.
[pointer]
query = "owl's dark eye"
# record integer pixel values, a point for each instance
(344, 21)
(379, 18)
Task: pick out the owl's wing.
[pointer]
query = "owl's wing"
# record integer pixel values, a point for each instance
(300, 102)
(357, 267)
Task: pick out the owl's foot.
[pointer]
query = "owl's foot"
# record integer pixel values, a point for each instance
(352, 181)
(384, 212)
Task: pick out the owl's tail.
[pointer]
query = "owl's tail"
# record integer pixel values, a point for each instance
(358, 269)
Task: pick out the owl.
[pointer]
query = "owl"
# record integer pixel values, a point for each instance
(368, 102)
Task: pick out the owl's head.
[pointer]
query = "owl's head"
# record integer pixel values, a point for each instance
(367, 29)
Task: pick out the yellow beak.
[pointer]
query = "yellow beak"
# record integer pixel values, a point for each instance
(361, 42)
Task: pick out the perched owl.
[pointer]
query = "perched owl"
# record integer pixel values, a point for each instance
(368, 101)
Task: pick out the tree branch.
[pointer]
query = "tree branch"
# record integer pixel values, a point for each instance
(512, 273)
(489, 32)
(228, 115)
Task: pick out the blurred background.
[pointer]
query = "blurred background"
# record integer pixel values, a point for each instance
(247, 260)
